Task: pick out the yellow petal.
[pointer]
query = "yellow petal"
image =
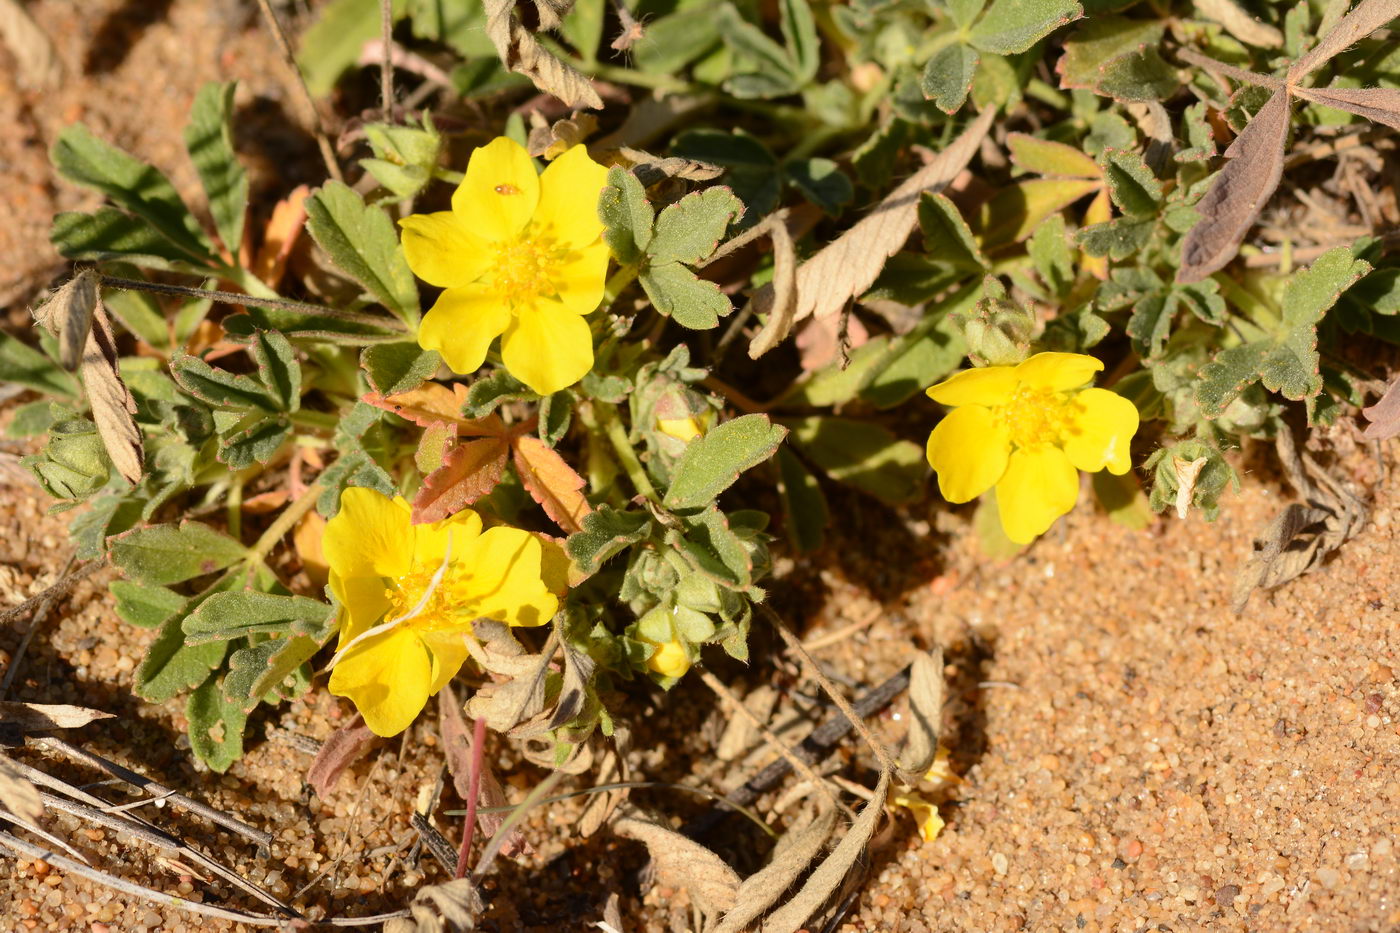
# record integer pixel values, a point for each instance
(1102, 432)
(968, 450)
(582, 278)
(447, 652)
(925, 814)
(1040, 485)
(569, 190)
(1057, 371)
(670, 659)
(442, 251)
(430, 541)
(499, 194)
(505, 582)
(461, 326)
(547, 347)
(990, 385)
(370, 536)
(387, 678)
(364, 602)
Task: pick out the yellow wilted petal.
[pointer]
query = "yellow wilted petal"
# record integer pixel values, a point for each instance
(1057, 371)
(581, 280)
(447, 652)
(442, 251)
(968, 449)
(370, 536)
(461, 326)
(1039, 486)
(547, 347)
(505, 581)
(499, 194)
(387, 678)
(990, 385)
(569, 189)
(1102, 432)
(925, 814)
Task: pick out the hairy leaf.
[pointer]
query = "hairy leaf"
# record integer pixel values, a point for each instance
(551, 482)
(468, 472)
(713, 462)
(360, 239)
(209, 139)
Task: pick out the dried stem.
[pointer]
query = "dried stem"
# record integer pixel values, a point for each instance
(386, 67)
(289, 56)
(238, 298)
(46, 602)
(473, 791)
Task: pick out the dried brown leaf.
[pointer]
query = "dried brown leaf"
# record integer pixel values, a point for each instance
(37, 64)
(761, 890)
(650, 169)
(1384, 415)
(551, 140)
(578, 674)
(611, 768)
(457, 746)
(849, 265)
(682, 861)
(1377, 104)
(1187, 473)
(17, 795)
(1366, 18)
(468, 472)
(521, 53)
(551, 482)
(341, 750)
(925, 711)
(520, 696)
(1238, 193)
(832, 872)
(1239, 23)
(112, 405)
(68, 316)
(784, 307)
(41, 717)
(441, 908)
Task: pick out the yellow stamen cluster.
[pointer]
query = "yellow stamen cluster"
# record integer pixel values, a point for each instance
(526, 268)
(438, 595)
(1037, 416)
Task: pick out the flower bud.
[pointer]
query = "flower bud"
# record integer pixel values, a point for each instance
(670, 659)
(683, 414)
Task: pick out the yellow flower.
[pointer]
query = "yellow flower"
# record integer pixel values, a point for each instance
(521, 257)
(687, 427)
(670, 659)
(409, 592)
(1026, 430)
(925, 814)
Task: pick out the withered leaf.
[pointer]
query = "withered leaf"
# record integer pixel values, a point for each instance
(1239, 23)
(711, 883)
(784, 306)
(17, 795)
(468, 472)
(1187, 473)
(764, 888)
(522, 53)
(551, 482)
(113, 407)
(41, 717)
(432, 403)
(1238, 193)
(849, 265)
(68, 316)
(650, 169)
(341, 750)
(1384, 415)
(611, 768)
(1377, 104)
(578, 673)
(925, 711)
(37, 64)
(1366, 18)
(457, 746)
(441, 908)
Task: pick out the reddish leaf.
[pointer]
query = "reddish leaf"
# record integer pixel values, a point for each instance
(432, 403)
(1384, 415)
(552, 483)
(341, 750)
(433, 446)
(468, 472)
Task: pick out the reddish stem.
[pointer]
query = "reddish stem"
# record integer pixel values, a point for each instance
(473, 791)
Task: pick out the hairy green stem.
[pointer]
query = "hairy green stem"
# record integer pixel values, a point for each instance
(603, 415)
(285, 522)
(281, 304)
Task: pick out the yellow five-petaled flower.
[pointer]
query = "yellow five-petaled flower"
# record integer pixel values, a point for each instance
(521, 257)
(1027, 430)
(409, 593)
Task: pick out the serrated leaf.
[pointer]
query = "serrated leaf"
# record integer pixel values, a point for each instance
(163, 554)
(209, 139)
(234, 614)
(1049, 250)
(215, 726)
(360, 239)
(767, 69)
(689, 230)
(219, 387)
(139, 188)
(947, 237)
(1117, 57)
(606, 532)
(170, 667)
(468, 472)
(1117, 239)
(713, 462)
(490, 392)
(285, 662)
(256, 442)
(947, 76)
(626, 214)
(108, 234)
(864, 455)
(1131, 183)
(1009, 27)
(145, 606)
(678, 293)
(278, 368)
(551, 482)
(395, 368)
(713, 549)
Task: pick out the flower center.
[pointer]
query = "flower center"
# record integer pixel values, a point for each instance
(427, 598)
(527, 267)
(1036, 417)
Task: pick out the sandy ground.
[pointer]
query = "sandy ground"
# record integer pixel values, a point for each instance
(1135, 756)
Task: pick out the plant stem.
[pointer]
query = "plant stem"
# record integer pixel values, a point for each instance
(284, 523)
(603, 415)
(386, 66)
(618, 282)
(473, 791)
(280, 304)
(316, 420)
(322, 140)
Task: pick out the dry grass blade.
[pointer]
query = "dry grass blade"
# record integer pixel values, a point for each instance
(926, 690)
(1239, 192)
(1366, 18)
(612, 768)
(848, 266)
(1384, 415)
(1239, 23)
(765, 887)
(712, 884)
(1377, 104)
(651, 169)
(342, 749)
(68, 316)
(829, 875)
(113, 408)
(521, 53)
(41, 717)
(18, 795)
(37, 65)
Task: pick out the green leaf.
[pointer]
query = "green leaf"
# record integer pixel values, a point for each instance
(1049, 250)
(713, 549)
(234, 614)
(108, 233)
(583, 27)
(800, 35)
(1123, 499)
(917, 360)
(282, 668)
(163, 554)
(209, 139)
(804, 506)
(713, 462)
(1131, 183)
(767, 69)
(837, 382)
(947, 237)
(669, 43)
(84, 159)
(964, 11)
(1012, 26)
(31, 420)
(215, 726)
(490, 392)
(689, 230)
(1117, 57)
(626, 215)
(360, 239)
(257, 440)
(278, 368)
(864, 455)
(1049, 158)
(556, 413)
(145, 606)
(822, 182)
(1117, 239)
(219, 387)
(1150, 323)
(753, 171)
(677, 292)
(138, 311)
(349, 328)
(948, 76)
(170, 668)
(21, 363)
(392, 368)
(1210, 483)
(332, 45)
(606, 532)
